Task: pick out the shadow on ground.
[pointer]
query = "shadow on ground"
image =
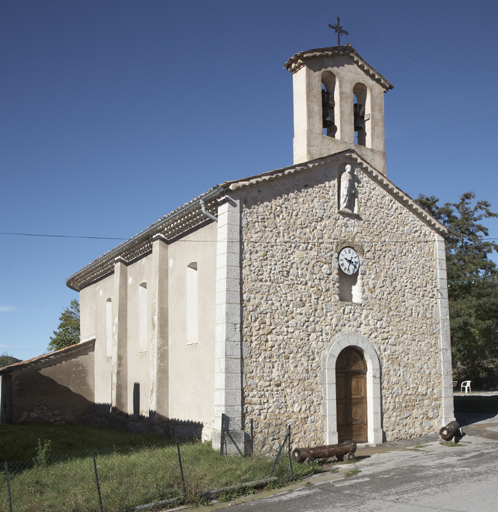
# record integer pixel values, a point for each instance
(472, 408)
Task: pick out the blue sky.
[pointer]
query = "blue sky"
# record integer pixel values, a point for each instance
(115, 112)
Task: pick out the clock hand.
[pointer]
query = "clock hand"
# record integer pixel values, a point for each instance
(351, 262)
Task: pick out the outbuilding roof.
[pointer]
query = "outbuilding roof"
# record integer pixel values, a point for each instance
(46, 358)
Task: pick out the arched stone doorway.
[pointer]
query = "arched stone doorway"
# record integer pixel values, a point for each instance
(372, 384)
(351, 395)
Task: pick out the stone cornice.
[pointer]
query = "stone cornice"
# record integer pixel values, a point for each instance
(401, 196)
(375, 175)
(171, 227)
(296, 62)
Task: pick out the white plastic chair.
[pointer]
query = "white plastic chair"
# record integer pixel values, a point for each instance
(465, 386)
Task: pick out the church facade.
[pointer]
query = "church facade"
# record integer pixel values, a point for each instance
(313, 296)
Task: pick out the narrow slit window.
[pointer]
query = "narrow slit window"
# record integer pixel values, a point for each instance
(108, 325)
(142, 317)
(192, 304)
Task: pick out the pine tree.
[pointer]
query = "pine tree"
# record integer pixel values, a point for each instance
(68, 332)
(472, 285)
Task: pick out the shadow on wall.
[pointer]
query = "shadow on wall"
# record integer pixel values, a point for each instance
(30, 396)
(107, 416)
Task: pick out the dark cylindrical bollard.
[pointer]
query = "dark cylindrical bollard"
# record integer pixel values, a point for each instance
(451, 430)
(323, 452)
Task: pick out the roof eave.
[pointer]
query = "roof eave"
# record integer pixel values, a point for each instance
(376, 175)
(21, 365)
(297, 61)
(78, 281)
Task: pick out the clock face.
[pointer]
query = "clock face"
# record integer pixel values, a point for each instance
(349, 262)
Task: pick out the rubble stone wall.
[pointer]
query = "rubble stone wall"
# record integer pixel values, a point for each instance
(292, 232)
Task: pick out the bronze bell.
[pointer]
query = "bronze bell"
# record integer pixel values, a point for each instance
(328, 122)
(328, 105)
(359, 117)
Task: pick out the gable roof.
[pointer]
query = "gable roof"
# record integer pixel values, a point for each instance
(296, 62)
(45, 358)
(191, 215)
(170, 227)
(373, 173)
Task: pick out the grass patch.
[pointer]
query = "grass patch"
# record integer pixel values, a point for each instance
(452, 444)
(417, 448)
(59, 476)
(352, 472)
(235, 493)
(20, 442)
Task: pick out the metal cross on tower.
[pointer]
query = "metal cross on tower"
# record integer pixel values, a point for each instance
(339, 30)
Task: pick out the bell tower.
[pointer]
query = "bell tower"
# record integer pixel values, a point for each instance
(338, 105)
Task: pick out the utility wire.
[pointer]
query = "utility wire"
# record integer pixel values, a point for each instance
(63, 236)
(296, 241)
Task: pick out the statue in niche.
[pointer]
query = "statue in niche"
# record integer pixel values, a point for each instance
(348, 191)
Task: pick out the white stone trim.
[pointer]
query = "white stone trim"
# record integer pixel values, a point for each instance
(119, 386)
(159, 338)
(296, 62)
(349, 156)
(374, 397)
(444, 334)
(228, 352)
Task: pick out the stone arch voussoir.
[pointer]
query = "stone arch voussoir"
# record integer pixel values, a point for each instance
(374, 396)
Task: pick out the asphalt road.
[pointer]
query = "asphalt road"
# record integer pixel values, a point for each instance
(430, 477)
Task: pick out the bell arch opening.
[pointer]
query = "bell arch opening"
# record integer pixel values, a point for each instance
(329, 117)
(361, 116)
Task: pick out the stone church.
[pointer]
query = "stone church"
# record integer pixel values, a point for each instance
(313, 296)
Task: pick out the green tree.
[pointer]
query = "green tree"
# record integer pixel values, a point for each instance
(472, 286)
(68, 332)
(6, 359)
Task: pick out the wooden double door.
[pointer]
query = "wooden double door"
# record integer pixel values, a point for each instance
(351, 395)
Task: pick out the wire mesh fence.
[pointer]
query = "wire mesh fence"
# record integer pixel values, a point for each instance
(127, 479)
(120, 479)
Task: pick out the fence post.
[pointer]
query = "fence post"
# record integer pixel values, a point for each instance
(252, 436)
(278, 454)
(181, 470)
(222, 438)
(97, 480)
(8, 485)
(290, 458)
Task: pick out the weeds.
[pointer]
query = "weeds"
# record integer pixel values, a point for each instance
(417, 448)
(235, 493)
(19, 442)
(59, 474)
(451, 444)
(352, 472)
(42, 453)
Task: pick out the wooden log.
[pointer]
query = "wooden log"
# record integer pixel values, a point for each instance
(322, 452)
(450, 430)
